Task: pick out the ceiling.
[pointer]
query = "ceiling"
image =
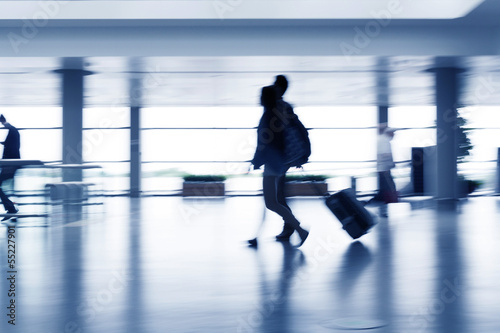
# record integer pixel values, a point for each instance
(237, 9)
(226, 62)
(230, 81)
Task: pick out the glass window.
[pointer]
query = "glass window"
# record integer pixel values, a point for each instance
(412, 116)
(338, 117)
(198, 145)
(43, 145)
(343, 144)
(106, 145)
(33, 117)
(106, 117)
(484, 133)
(41, 139)
(39, 128)
(113, 178)
(417, 129)
(485, 144)
(196, 117)
(106, 138)
(348, 148)
(483, 124)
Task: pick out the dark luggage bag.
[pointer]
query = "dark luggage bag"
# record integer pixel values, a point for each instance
(355, 219)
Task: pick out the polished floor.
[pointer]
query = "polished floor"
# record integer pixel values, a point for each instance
(168, 264)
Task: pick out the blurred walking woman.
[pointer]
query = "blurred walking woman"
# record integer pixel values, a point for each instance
(270, 153)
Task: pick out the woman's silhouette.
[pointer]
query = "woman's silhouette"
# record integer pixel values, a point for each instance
(270, 153)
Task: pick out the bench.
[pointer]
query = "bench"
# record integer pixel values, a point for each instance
(72, 192)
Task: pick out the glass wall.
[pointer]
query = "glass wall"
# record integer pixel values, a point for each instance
(482, 127)
(221, 140)
(416, 127)
(106, 142)
(417, 124)
(195, 140)
(40, 130)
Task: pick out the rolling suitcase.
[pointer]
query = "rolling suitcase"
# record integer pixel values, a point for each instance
(355, 219)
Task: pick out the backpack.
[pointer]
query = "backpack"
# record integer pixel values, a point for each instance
(297, 143)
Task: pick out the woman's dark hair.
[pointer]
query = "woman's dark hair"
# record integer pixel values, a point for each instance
(268, 98)
(281, 83)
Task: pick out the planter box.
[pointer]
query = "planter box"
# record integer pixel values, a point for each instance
(293, 189)
(203, 189)
(465, 187)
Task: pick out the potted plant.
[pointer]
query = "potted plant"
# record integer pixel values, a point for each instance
(305, 185)
(203, 186)
(473, 185)
(465, 186)
(464, 143)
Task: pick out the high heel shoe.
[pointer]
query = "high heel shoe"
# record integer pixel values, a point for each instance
(285, 234)
(303, 234)
(252, 242)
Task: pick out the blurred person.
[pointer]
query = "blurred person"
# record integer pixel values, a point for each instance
(11, 148)
(280, 86)
(386, 187)
(270, 153)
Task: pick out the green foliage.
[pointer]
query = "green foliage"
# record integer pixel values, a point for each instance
(170, 172)
(464, 144)
(204, 178)
(463, 141)
(305, 178)
(470, 185)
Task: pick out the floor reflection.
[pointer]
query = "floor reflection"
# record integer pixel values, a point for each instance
(426, 270)
(355, 261)
(447, 307)
(73, 275)
(274, 293)
(134, 298)
(385, 276)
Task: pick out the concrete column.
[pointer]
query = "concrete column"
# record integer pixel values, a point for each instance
(383, 114)
(135, 152)
(497, 186)
(382, 89)
(383, 121)
(72, 104)
(447, 139)
(135, 95)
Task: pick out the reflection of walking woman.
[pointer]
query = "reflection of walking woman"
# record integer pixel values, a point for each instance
(275, 310)
(10, 151)
(270, 152)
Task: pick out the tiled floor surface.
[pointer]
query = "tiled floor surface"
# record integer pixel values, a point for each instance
(168, 264)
